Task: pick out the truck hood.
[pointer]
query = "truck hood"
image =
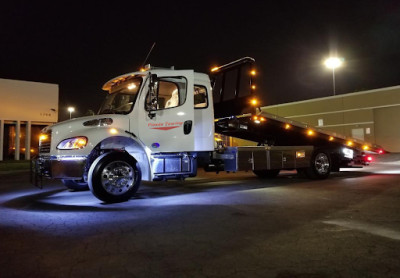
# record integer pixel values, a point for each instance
(92, 127)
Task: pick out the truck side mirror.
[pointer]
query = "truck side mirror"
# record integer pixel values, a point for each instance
(152, 100)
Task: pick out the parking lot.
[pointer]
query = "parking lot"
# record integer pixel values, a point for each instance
(225, 225)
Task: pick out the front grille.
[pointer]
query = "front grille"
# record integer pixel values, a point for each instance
(44, 143)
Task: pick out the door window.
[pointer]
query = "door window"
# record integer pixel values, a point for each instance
(171, 92)
(200, 97)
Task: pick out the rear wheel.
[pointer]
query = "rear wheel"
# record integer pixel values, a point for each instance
(320, 167)
(114, 177)
(76, 185)
(265, 174)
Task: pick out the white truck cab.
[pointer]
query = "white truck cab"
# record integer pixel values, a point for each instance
(154, 123)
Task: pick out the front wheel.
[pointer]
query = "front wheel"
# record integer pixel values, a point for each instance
(320, 167)
(114, 177)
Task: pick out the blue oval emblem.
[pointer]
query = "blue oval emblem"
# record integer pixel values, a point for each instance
(155, 145)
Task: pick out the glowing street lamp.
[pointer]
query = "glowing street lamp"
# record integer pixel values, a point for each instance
(333, 63)
(70, 110)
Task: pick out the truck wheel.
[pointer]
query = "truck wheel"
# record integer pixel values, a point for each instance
(114, 177)
(265, 174)
(320, 167)
(75, 185)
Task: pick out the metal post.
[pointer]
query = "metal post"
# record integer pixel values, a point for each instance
(1, 139)
(28, 132)
(333, 78)
(17, 139)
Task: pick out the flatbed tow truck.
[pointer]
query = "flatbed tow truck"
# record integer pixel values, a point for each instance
(160, 124)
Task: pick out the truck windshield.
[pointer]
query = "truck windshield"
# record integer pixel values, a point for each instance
(122, 97)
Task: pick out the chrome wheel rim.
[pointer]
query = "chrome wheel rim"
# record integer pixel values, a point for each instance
(322, 164)
(118, 177)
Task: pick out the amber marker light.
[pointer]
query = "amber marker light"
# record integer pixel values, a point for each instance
(43, 137)
(253, 87)
(349, 143)
(113, 131)
(310, 132)
(253, 72)
(254, 102)
(365, 148)
(331, 138)
(214, 69)
(287, 126)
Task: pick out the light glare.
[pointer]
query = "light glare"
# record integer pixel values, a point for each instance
(333, 62)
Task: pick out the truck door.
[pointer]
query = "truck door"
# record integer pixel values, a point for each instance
(170, 127)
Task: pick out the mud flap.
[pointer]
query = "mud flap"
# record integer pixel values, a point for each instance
(36, 177)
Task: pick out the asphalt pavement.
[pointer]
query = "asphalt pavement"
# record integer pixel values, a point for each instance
(225, 225)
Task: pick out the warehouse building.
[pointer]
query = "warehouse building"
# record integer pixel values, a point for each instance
(372, 116)
(25, 108)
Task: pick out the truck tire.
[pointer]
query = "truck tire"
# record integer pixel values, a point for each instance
(321, 165)
(265, 174)
(75, 185)
(114, 177)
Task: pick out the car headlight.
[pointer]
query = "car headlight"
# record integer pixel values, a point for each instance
(348, 153)
(74, 143)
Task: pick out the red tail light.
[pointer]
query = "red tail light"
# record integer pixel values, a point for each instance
(369, 158)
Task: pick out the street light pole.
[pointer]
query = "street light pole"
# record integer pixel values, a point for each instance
(333, 63)
(70, 110)
(333, 80)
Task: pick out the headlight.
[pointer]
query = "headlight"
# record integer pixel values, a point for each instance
(74, 143)
(348, 153)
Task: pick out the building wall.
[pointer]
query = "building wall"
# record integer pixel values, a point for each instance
(372, 116)
(25, 108)
(24, 100)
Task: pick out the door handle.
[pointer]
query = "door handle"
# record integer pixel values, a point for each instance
(187, 127)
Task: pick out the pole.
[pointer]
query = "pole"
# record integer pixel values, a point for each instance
(333, 78)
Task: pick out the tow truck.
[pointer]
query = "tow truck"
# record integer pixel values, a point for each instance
(160, 124)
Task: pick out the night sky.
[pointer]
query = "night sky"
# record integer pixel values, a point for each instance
(81, 46)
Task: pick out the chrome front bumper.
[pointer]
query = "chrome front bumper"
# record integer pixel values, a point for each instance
(66, 167)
